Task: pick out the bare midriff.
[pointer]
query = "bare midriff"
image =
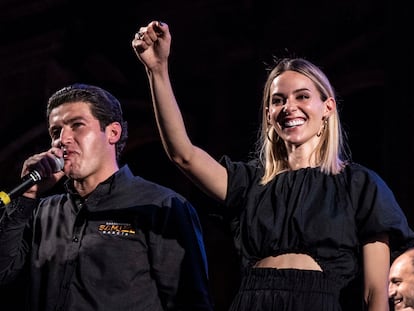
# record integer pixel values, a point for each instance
(289, 261)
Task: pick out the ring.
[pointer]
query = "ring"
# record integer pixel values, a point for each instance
(140, 35)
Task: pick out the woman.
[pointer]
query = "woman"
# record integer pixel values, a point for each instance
(305, 220)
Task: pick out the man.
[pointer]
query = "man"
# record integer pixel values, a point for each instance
(401, 281)
(112, 241)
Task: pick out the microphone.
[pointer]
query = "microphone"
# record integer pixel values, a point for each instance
(27, 182)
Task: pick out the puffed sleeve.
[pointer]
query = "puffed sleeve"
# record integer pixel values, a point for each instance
(378, 210)
(241, 175)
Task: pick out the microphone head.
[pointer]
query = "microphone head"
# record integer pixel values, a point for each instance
(59, 163)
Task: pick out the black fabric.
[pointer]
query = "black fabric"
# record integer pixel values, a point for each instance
(286, 289)
(328, 217)
(131, 245)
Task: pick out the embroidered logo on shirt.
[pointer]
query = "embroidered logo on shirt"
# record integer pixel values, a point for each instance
(116, 228)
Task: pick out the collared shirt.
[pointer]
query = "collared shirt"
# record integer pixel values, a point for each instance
(130, 245)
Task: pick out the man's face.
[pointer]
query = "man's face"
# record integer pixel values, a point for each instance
(401, 282)
(87, 150)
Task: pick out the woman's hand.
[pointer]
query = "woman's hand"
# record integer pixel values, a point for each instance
(152, 44)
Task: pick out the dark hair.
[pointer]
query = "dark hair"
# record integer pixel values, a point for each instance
(104, 107)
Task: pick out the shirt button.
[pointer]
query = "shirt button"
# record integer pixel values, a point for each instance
(75, 239)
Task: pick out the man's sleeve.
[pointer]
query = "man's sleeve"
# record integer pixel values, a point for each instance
(179, 260)
(14, 237)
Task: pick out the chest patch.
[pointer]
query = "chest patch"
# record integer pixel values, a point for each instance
(115, 228)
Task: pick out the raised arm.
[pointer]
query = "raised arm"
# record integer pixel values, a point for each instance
(152, 46)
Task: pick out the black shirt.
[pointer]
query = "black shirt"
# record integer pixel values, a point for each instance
(130, 245)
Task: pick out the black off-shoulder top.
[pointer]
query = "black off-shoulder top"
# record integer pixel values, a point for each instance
(328, 217)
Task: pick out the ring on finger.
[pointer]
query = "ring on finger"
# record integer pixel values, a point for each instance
(140, 35)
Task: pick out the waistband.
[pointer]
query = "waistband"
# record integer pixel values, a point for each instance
(288, 279)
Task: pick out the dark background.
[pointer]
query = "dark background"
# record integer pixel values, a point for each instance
(218, 60)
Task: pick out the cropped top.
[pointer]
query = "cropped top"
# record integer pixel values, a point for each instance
(328, 217)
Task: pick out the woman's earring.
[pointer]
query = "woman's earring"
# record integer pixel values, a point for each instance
(325, 123)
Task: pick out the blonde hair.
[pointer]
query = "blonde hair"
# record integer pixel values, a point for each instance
(331, 153)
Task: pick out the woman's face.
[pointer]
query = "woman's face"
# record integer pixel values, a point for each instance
(296, 110)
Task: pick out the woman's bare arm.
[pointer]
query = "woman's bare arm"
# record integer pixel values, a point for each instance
(376, 255)
(152, 46)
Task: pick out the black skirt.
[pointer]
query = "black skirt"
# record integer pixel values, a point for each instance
(269, 289)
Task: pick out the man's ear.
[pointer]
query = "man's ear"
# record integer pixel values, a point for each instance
(113, 132)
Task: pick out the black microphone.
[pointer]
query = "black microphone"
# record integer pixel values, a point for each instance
(28, 181)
